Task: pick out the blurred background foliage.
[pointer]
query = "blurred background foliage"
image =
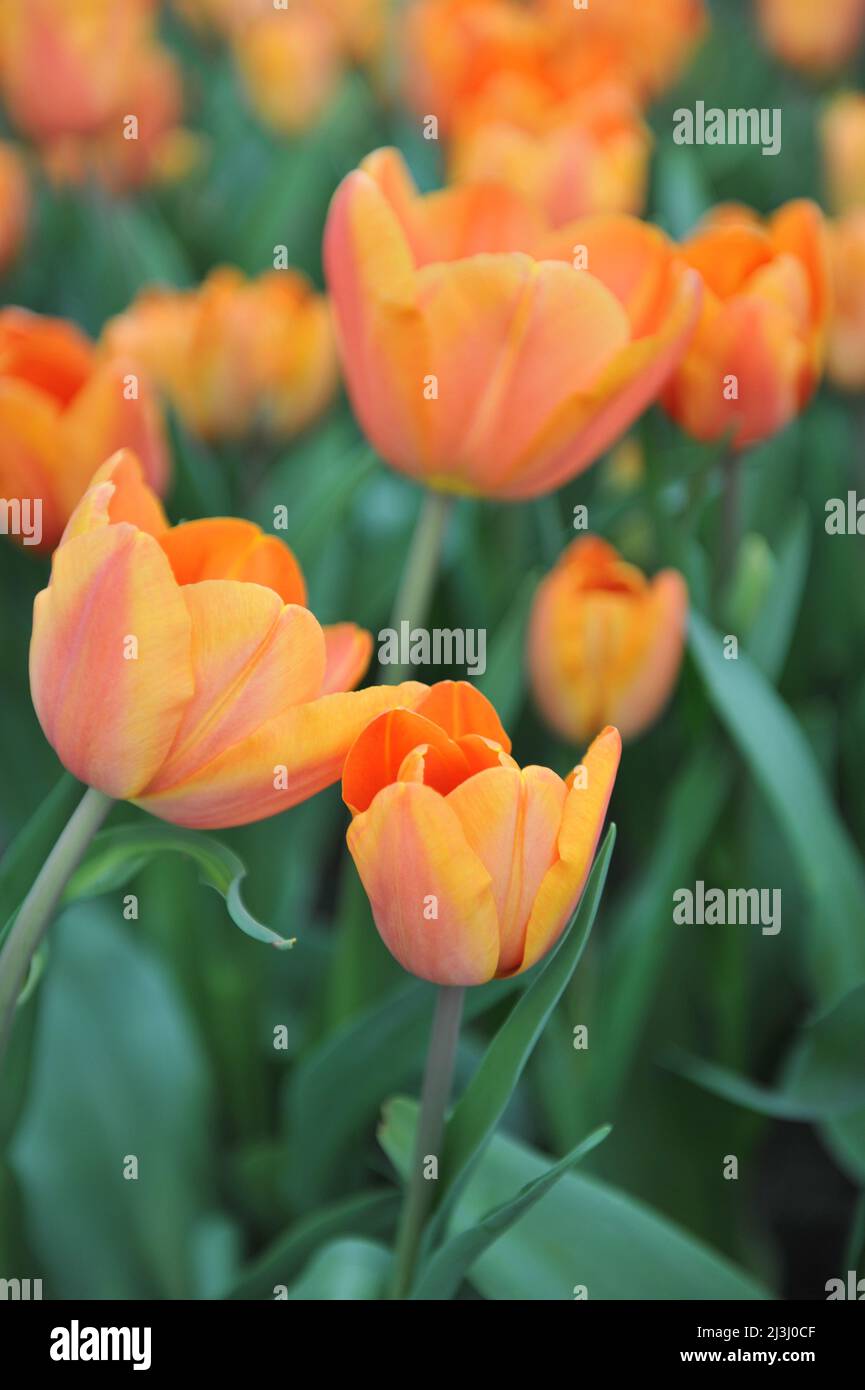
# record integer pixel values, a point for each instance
(156, 1037)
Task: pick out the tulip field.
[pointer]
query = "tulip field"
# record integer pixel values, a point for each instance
(432, 644)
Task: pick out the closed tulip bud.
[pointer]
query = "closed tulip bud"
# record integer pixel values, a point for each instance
(235, 355)
(64, 407)
(757, 354)
(842, 132)
(179, 668)
(472, 865)
(845, 364)
(484, 353)
(818, 39)
(290, 64)
(605, 643)
(14, 204)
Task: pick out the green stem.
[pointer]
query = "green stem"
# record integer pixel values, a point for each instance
(437, 1081)
(419, 576)
(731, 520)
(37, 909)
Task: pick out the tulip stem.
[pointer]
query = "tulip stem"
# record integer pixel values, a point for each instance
(731, 519)
(435, 1093)
(421, 567)
(34, 915)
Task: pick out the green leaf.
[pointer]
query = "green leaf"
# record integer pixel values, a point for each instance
(346, 1270)
(449, 1265)
(504, 680)
(785, 768)
(581, 1232)
(485, 1099)
(772, 631)
(370, 1214)
(116, 856)
(824, 1076)
(117, 1073)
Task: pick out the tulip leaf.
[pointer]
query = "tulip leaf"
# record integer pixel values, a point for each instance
(788, 773)
(345, 1271)
(583, 1233)
(446, 1269)
(116, 856)
(823, 1078)
(485, 1099)
(368, 1214)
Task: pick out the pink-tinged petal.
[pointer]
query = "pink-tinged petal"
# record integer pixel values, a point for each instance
(511, 820)
(286, 760)
(412, 855)
(371, 277)
(582, 822)
(253, 657)
(349, 651)
(647, 686)
(109, 707)
(592, 420)
(117, 492)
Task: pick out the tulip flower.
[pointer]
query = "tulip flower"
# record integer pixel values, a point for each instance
(14, 203)
(179, 668)
(472, 865)
(842, 137)
(64, 407)
(845, 362)
(234, 354)
(290, 65)
(485, 353)
(586, 153)
(816, 38)
(757, 354)
(605, 643)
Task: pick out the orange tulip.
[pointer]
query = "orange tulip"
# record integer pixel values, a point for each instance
(842, 132)
(478, 357)
(290, 65)
(582, 154)
(472, 865)
(816, 38)
(845, 362)
(757, 354)
(605, 643)
(454, 48)
(235, 355)
(64, 407)
(179, 668)
(14, 203)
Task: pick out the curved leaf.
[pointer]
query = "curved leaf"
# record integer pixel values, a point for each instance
(116, 856)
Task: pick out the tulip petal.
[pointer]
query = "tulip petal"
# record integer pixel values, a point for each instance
(645, 688)
(380, 752)
(286, 760)
(253, 657)
(230, 548)
(348, 650)
(411, 853)
(110, 710)
(460, 709)
(103, 419)
(582, 823)
(117, 492)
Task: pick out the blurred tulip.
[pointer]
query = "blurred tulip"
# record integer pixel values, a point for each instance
(472, 866)
(91, 85)
(757, 354)
(455, 48)
(506, 373)
(235, 355)
(179, 668)
(842, 132)
(845, 363)
(817, 38)
(14, 203)
(584, 154)
(64, 407)
(290, 66)
(605, 643)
